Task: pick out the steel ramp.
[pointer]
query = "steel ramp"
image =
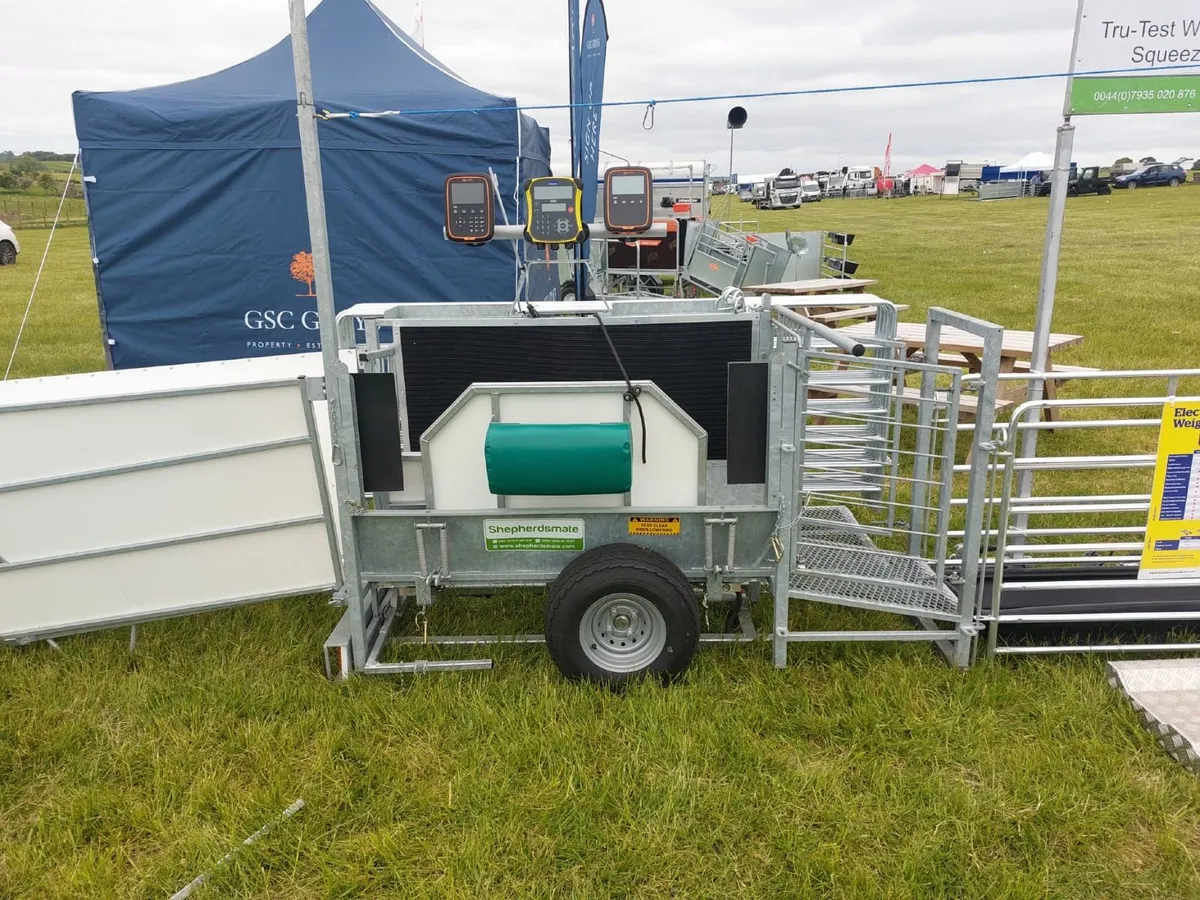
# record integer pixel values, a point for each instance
(1165, 693)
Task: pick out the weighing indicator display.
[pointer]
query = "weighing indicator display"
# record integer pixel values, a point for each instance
(552, 211)
(469, 215)
(627, 202)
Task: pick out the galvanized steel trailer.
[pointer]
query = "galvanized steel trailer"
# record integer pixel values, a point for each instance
(752, 447)
(646, 459)
(759, 448)
(807, 422)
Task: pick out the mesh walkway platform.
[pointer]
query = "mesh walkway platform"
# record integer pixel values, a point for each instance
(839, 563)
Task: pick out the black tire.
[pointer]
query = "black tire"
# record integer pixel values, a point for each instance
(1174, 182)
(633, 575)
(1072, 191)
(566, 292)
(8, 253)
(651, 284)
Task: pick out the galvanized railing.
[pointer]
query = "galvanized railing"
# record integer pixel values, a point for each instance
(874, 483)
(1055, 535)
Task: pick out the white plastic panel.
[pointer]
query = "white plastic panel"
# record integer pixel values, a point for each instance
(549, 409)
(670, 477)
(414, 483)
(674, 462)
(459, 473)
(212, 465)
(90, 386)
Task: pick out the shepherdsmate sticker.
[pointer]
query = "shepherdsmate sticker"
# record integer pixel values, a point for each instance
(533, 534)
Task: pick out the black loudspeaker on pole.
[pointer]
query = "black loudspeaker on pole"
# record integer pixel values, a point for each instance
(734, 122)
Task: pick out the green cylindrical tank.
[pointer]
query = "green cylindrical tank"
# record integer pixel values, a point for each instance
(559, 460)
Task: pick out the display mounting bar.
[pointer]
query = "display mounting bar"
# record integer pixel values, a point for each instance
(596, 231)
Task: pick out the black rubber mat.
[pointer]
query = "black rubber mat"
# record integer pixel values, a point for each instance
(688, 360)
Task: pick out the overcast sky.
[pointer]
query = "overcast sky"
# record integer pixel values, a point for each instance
(659, 49)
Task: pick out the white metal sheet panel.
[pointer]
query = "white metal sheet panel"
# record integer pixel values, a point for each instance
(62, 440)
(157, 504)
(132, 587)
(670, 477)
(245, 521)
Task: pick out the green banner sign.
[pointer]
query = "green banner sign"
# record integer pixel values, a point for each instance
(1121, 44)
(1122, 95)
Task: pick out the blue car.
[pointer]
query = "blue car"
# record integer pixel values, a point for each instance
(1158, 174)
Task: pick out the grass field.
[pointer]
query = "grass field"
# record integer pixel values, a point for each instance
(858, 772)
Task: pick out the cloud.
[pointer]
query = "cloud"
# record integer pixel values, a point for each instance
(658, 49)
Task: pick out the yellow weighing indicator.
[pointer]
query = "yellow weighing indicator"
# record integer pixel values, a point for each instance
(553, 211)
(654, 525)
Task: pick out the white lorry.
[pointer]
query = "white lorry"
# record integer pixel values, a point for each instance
(854, 181)
(780, 191)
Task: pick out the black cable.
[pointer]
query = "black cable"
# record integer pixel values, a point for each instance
(632, 393)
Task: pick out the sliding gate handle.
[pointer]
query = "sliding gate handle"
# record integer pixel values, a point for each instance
(837, 338)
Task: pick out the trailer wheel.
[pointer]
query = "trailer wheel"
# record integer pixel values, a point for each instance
(566, 292)
(619, 613)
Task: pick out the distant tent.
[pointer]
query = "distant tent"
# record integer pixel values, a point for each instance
(1032, 162)
(196, 196)
(923, 170)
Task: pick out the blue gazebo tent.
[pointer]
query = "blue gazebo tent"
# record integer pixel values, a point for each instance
(196, 201)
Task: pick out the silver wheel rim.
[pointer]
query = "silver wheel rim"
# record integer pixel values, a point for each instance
(622, 632)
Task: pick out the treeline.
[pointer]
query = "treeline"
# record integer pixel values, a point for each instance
(36, 156)
(27, 171)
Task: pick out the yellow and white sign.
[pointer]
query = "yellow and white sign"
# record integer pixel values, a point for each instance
(655, 525)
(1172, 548)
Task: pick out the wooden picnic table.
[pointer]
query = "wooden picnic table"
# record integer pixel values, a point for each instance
(835, 316)
(1016, 348)
(813, 286)
(836, 311)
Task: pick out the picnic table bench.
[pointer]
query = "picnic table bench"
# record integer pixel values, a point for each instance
(813, 286)
(835, 311)
(958, 347)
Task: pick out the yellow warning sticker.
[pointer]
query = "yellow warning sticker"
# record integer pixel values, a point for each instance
(661, 525)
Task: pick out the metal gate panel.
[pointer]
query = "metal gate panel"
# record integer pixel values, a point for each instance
(873, 496)
(127, 496)
(876, 436)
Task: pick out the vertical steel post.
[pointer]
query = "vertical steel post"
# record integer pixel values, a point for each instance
(337, 376)
(1048, 283)
(576, 93)
(785, 386)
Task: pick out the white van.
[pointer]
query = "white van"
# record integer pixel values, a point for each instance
(810, 191)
